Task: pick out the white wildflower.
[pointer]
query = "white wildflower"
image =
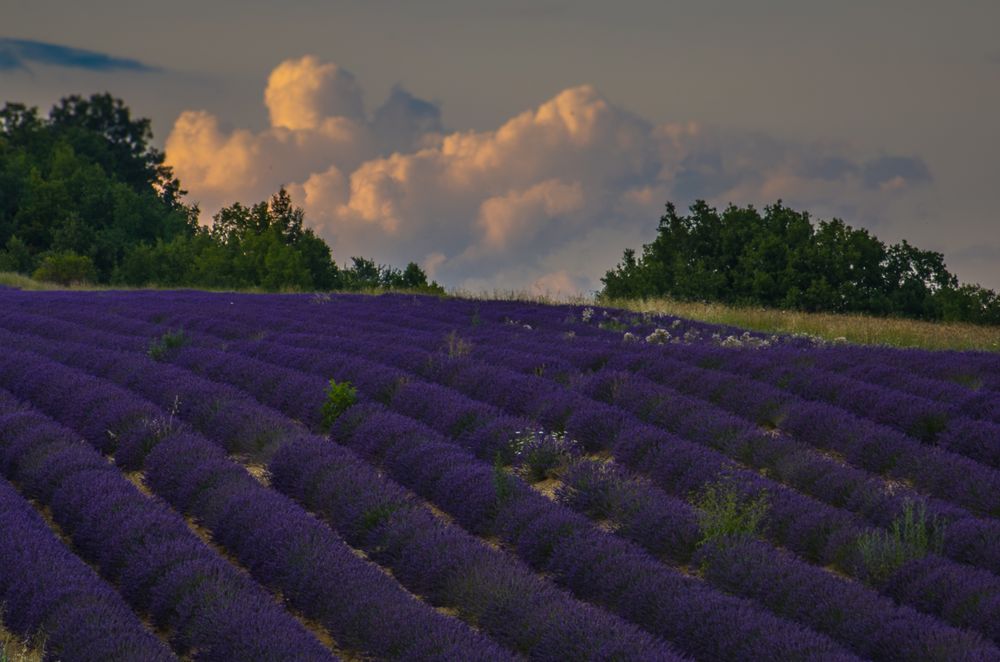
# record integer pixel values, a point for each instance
(659, 336)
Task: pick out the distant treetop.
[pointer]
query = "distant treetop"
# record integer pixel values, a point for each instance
(779, 258)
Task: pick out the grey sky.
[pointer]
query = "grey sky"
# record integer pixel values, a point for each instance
(890, 84)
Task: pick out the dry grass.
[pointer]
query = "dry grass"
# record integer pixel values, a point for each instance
(16, 649)
(10, 279)
(861, 329)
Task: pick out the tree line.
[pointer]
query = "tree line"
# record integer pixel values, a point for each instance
(780, 258)
(85, 197)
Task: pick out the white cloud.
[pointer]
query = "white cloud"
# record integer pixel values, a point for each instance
(548, 200)
(519, 215)
(302, 93)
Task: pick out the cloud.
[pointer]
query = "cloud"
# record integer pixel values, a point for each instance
(895, 172)
(301, 93)
(318, 131)
(520, 215)
(547, 201)
(18, 53)
(405, 122)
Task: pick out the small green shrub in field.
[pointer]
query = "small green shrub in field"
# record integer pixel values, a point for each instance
(339, 396)
(911, 536)
(66, 269)
(160, 347)
(456, 345)
(725, 511)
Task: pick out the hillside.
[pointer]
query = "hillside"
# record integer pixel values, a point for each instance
(235, 476)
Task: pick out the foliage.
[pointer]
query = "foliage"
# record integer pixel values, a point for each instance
(911, 536)
(725, 511)
(339, 397)
(456, 345)
(66, 268)
(85, 180)
(160, 347)
(779, 258)
(364, 274)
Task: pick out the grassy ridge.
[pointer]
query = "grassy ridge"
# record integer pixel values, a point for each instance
(861, 329)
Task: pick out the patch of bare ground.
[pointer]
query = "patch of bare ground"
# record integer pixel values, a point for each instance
(260, 473)
(18, 649)
(548, 487)
(438, 513)
(138, 478)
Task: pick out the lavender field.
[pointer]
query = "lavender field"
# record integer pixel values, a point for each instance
(188, 475)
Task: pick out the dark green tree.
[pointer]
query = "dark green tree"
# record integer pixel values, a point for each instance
(779, 258)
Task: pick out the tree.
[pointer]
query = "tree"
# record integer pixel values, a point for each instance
(779, 258)
(85, 180)
(66, 269)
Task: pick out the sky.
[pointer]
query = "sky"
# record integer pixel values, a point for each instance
(525, 145)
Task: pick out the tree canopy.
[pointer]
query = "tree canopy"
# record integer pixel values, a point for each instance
(85, 196)
(780, 258)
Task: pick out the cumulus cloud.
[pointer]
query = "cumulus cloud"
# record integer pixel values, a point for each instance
(302, 93)
(547, 201)
(318, 129)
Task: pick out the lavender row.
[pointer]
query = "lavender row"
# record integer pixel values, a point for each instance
(964, 435)
(966, 398)
(872, 625)
(45, 588)
(970, 539)
(426, 403)
(782, 386)
(159, 565)
(973, 530)
(592, 563)
(225, 367)
(272, 536)
(363, 608)
(794, 520)
(975, 438)
(470, 511)
(864, 444)
(975, 370)
(484, 585)
(579, 633)
(222, 364)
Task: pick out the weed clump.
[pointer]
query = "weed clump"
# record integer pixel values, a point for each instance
(725, 511)
(339, 396)
(911, 536)
(160, 347)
